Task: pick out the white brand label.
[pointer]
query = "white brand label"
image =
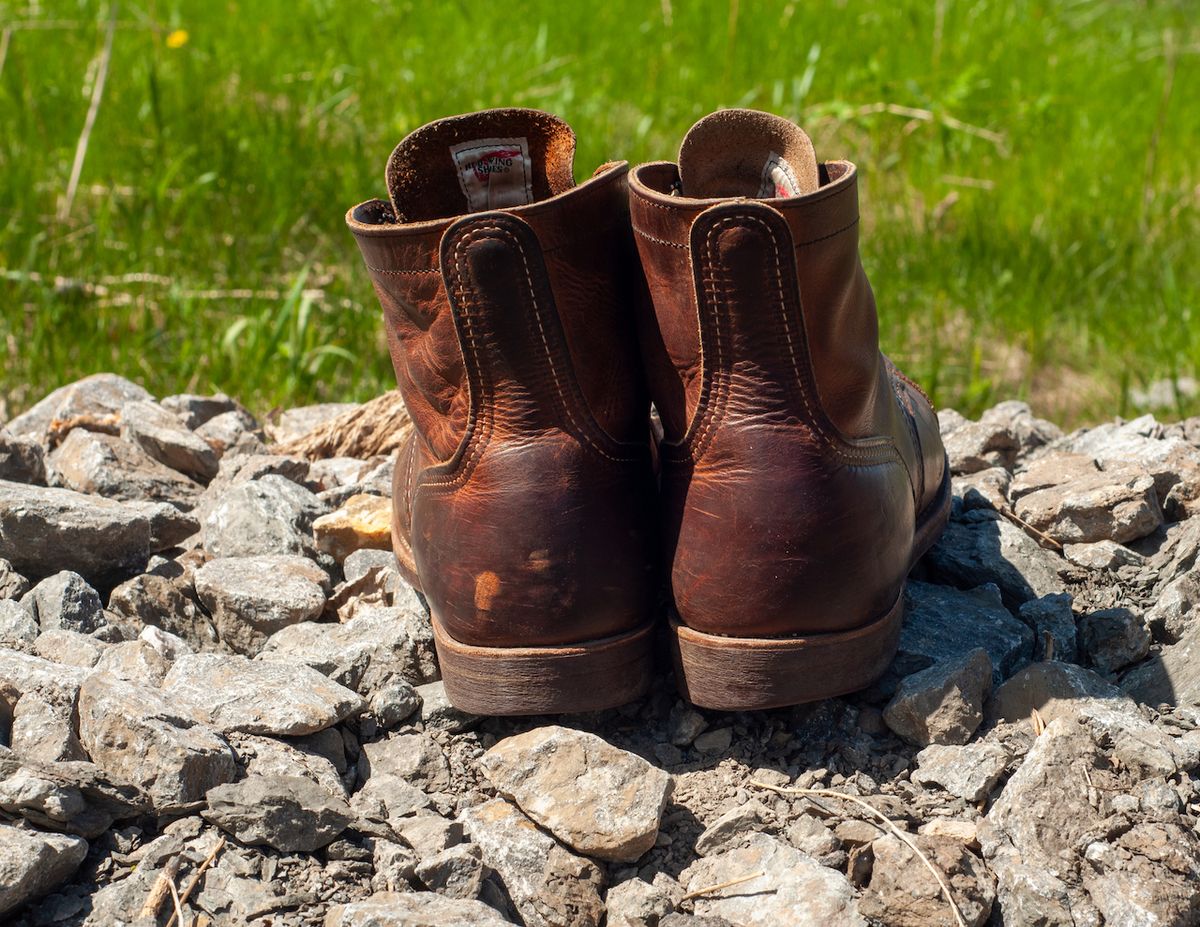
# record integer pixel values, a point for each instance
(778, 179)
(493, 172)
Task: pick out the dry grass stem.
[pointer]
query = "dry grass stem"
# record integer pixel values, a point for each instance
(709, 889)
(1044, 539)
(926, 115)
(89, 121)
(195, 880)
(901, 835)
(163, 886)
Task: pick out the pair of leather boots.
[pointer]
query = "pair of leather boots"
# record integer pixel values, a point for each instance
(548, 520)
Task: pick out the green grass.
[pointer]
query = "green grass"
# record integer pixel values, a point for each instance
(1051, 255)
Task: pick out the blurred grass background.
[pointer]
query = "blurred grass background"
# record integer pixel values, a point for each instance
(1030, 175)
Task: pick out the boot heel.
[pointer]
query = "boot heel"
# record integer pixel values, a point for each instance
(742, 673)
(589, 676)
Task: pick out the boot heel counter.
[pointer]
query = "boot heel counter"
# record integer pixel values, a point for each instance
(773, 503)
(538, 528)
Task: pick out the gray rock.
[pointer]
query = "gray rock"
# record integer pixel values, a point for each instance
(1059, 860)
(383, 800)
(360, 562)
(416, 758)
(12, 584)
(1113, 638)
(986, 489)
(232, 693)
(138, 661)
(548, 885)
(104, 465)
(456, 872)
(983, 547)
(296, 423)
(163, 436)
(903, 892)
(942, 624)
(367, 653)
(1050, 688)
(289, 813)
(969, 772)
(414, 909)
(685, 724)
(267, 756)
(1051, 617)
(732, 828)
(194, 410)
(596, 798)
(43, 728)
(944, 703)
(634, 903)
(169, 526)
(792, 889)
(22, 459)
(428, 832)
(1170, 677)
(336, 472)
(393, 702)
(437, 714)
(46, 530)
(1101, 555)
(135, 735)
(232, 433)
(250, 598)
(96, 397)
(66, 602)
(1117, 504)
(24, 676)
(74, 797)
(1171, 461)
(812, 836)
(1177, 608)
(69, 647)
(156, 601)
(34, 863)
(996, 440)
(714, 741)
(17, 622)
(269, 515)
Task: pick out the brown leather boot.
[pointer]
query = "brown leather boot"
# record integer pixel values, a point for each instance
(802, 474)
(524, 500)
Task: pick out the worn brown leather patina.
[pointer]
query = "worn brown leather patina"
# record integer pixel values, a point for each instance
(524, 502)
(802, 474)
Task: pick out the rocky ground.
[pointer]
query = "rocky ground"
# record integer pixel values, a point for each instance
(215, 687)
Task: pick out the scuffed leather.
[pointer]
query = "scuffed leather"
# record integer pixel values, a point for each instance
(525, 499)
(796, 459)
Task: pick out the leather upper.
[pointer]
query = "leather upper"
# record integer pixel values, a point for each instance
(524, 501)
(796, 459)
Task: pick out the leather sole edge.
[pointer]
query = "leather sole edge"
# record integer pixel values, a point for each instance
(589, 676)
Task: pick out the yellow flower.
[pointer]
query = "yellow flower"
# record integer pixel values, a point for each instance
(177, 39)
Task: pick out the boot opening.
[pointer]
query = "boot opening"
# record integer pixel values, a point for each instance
(488, 160)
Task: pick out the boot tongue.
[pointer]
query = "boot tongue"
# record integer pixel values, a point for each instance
(742, 152)
(488, 160)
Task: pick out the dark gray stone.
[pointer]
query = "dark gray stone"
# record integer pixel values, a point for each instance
(66, 602)
(943, 624)
(289, 813)
(43, 531)
(983, 547)
(164, 437)
(22, 459)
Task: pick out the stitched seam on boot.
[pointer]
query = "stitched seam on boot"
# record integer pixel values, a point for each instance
(871, 451)
(467, 466)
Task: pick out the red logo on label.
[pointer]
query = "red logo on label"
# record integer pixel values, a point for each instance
(492, 162)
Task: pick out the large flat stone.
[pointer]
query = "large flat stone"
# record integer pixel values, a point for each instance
(596, 798)
(232, 693)
(44, 530)
(549, 885)
(33, 863)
